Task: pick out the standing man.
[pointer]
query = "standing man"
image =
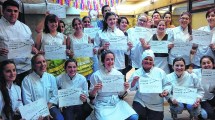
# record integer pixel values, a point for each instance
(156, 16)
(105, 9)
(12, 30)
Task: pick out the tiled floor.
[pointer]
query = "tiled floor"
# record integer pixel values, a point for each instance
(129, 99)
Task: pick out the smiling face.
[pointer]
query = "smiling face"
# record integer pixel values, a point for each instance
(111, 21)
(147, 63)
(40, 65)
(156, 17)
(184, 21)
(62, 27)
(86, 22)
(71, 69)
(142, 21)
(11, 14)
(109, 61)
(123, 25)
(161, 27)
(9, 72)
(168, 18)
(211, 19)
(206, 63)
(77, 25)
(106, 9)
(179, 67)
(53, 25)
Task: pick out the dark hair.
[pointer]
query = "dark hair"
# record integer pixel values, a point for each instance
(162, 20)
(104, 53)
(61, 21)
(33, 60)
(156, 12)
(9, 3)
(105, 25)
(5, 93)
(190, 18)
(85, 18)
(73, 21)
(68, 61)
(178, 59)
(209, 57)
(210, 11)
(168, 12)
(51, 18)
(103, 8)
(120, 19)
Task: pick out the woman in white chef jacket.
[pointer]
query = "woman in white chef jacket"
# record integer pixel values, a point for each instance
(40, 84)
(10, 93)
(108, 105)
(182, 78)
(206, 50)
(73, 80)
(208, 101)
(182, 33)
(149, 106)
(102, 40)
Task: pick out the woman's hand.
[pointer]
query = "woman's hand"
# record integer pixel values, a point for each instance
(83, 98)
(126, 85)
(170, 46)
(164, 93)
(34, 50)
(197, 103)
(94, 51)
(3, 52)
(106, 46)
(130, 45)
(69, 53)
(135, 79)
(144, 44)
(212, 46)
(97, 87)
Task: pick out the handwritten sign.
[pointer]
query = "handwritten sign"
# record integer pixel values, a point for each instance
(159, 46)
(201, 37)
(185, 94)
(69, 97)
(83, 50)
(91, 32)
(144, 33)
(55, 52)
(17, 49)
(208, 76)
(118, 43)
(181, 49)
(150, 85)
(34, 110)
(58, 10)
(113, 83)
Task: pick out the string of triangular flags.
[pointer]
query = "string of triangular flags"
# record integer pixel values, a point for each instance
(88, 4)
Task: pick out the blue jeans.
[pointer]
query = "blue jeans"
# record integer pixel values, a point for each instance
(178, 109)
(56, 114)
(133, 117)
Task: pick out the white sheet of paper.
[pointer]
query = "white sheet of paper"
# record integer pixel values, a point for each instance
(181, 49)
(208, 76)
(149, 85)
(144, 33)
(17, 49)
(91, 32)
(159, 46)
(113, 83)
(201, 37)
(55, 52)
(185, 94)
(34, 110)
(57, 9)
(83, 50)
(69, 97)
(118, 43)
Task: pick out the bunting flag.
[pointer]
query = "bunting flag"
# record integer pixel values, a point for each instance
(88, 4)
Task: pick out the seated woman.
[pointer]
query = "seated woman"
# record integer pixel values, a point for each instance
(10, 93)
(182, 78)
(40, 84)
(108, 105)
(72, 80)
(208, 101)
(149, 106)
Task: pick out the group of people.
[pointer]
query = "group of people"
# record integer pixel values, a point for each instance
(25, 80)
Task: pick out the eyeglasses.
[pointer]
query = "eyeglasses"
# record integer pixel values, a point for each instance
(141, 20)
